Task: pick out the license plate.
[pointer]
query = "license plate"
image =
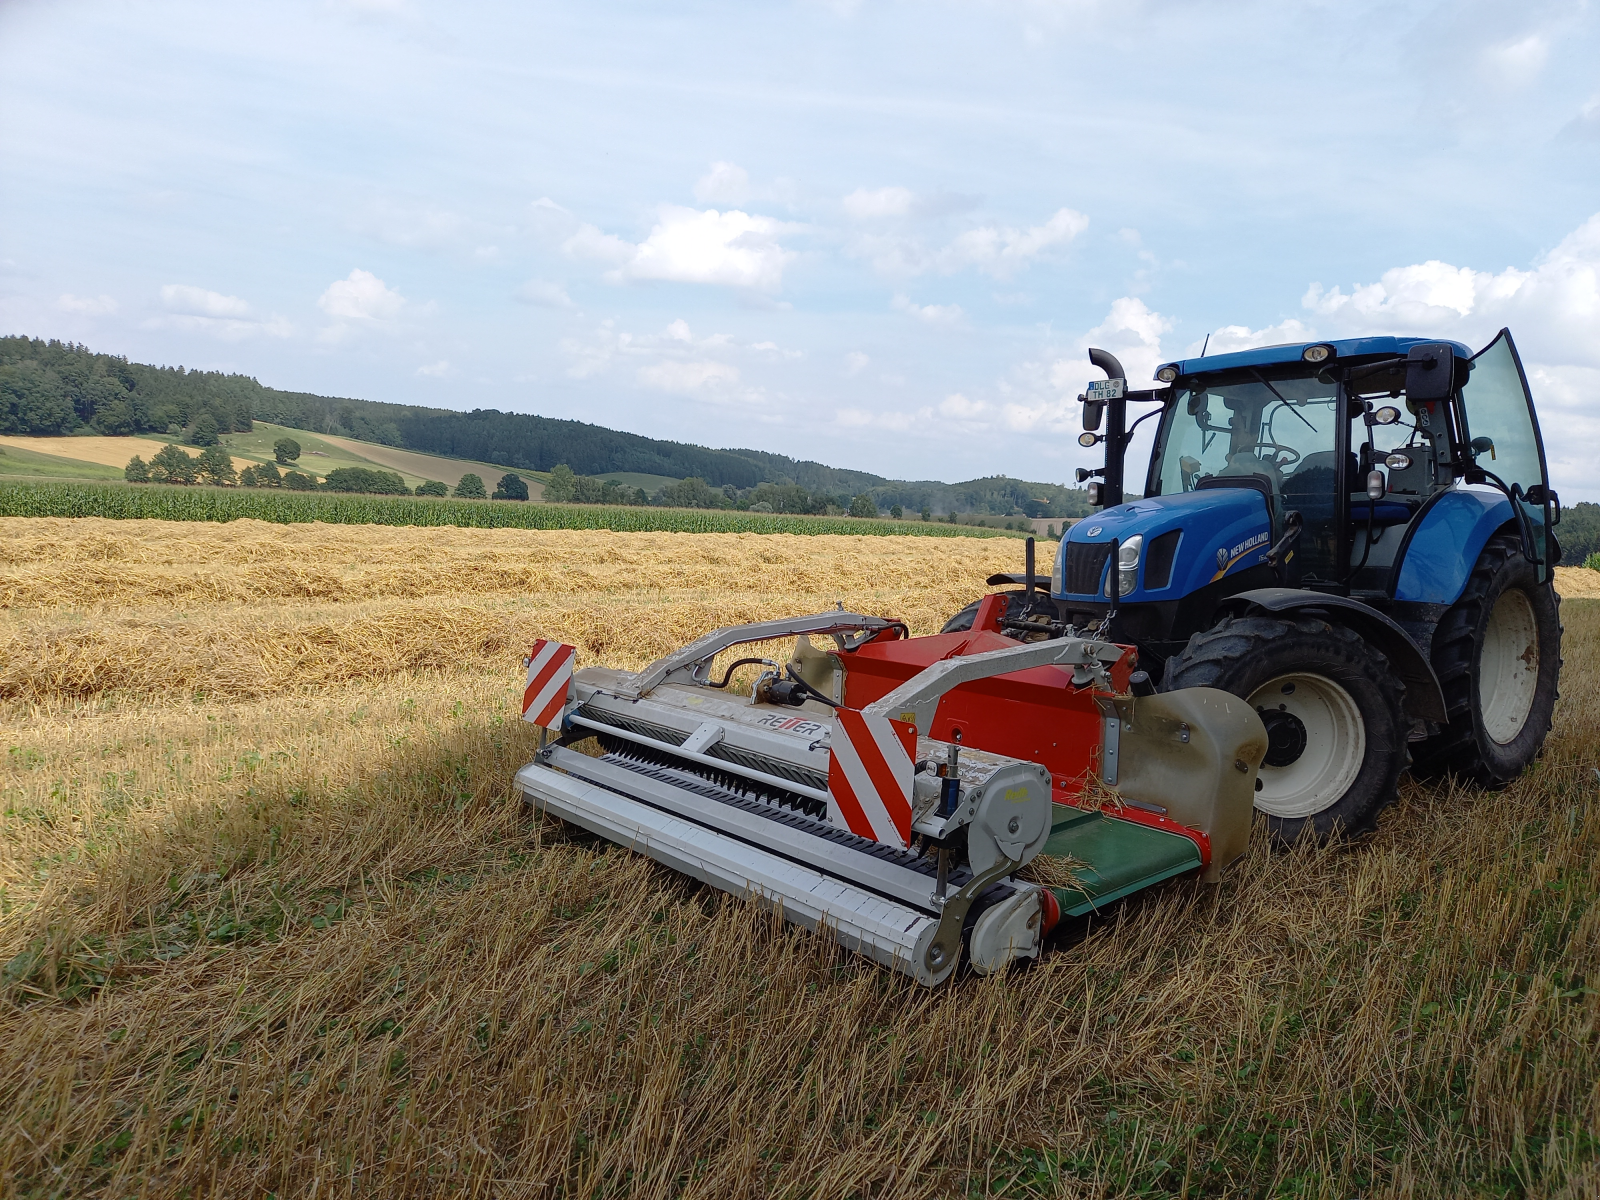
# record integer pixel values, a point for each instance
(1102, 390)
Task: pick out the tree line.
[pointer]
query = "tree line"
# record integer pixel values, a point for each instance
(53, 387)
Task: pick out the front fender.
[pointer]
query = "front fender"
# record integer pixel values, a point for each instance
(1442, 545)
(1424, 697)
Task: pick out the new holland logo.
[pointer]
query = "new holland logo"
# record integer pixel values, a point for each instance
(1222, 557)
(1095, 532)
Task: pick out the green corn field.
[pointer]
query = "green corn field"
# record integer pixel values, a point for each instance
(160, 503)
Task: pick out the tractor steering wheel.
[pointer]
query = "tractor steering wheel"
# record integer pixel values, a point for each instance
(1279, 448)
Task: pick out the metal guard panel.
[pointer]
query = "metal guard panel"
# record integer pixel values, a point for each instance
(1120, 857)
(1444, 548)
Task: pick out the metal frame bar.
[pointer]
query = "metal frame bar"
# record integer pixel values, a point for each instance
(704, 649)
(881, 929)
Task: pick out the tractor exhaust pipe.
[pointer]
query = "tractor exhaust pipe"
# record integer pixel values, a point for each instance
(1116, 410)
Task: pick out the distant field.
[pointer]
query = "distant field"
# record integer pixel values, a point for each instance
(162, 503)
(104, 457)
(97, 451)
(14, 460)
(414, 468)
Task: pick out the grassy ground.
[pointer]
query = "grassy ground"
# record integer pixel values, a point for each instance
(21, 462)
(273, 923)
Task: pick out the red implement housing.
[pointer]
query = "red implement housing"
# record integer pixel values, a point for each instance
(1034, 715)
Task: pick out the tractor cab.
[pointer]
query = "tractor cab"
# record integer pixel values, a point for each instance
(1350, 443)
(1311, 467)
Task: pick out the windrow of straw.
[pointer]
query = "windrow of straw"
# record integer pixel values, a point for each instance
(300, 938)
(50, 563)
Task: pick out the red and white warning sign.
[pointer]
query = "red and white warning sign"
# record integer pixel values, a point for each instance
(549, 681)
(869, 776)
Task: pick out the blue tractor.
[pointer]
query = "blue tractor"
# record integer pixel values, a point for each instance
(1356, 537)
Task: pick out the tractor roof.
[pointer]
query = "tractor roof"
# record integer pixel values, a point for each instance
(1289, 352)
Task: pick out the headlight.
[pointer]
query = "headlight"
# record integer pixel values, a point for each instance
(1127, 565)
(1058, 573)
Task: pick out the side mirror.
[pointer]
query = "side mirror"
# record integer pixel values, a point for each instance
(1092, 412)
(1430, 372)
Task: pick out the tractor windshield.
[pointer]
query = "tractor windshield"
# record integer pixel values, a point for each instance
(1280, 433)
(1277, 430)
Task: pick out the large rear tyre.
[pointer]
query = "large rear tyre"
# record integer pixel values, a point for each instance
(1332, 705)
(1497, 652)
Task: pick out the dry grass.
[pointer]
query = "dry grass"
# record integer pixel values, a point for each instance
(274, 923)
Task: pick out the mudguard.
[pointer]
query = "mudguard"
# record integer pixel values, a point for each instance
(1424, 697)
(1442, 545)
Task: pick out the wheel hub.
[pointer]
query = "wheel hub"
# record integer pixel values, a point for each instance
(1286, 737)
(1316, 743)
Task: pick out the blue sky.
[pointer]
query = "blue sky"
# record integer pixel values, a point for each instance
(876, 234)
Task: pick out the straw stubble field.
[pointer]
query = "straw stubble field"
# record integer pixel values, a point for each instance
(272, 922)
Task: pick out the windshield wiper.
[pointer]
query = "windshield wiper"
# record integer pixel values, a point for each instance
(1289, 404)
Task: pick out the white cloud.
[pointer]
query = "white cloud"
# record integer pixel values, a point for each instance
(866, 204)
(198, 302)
(198, 310)
(1002, 251)
(947, 315)
(436, 370)
(544, 294)
(703, 379)
(855, 362)
(731, 248)
(588, 242)
(1241, 337)
(1553, 308)
(87, 306)
(997, 250)
(686, 245)
(1518, 63)
(361, 296)
(957, 407)
(725, 183)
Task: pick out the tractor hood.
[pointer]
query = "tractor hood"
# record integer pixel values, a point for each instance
(1187, 541)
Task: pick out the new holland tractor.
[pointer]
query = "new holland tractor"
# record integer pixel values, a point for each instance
(1341, 564)
(1354, 536)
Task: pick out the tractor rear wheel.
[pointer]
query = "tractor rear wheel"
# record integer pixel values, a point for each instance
(1336, 732)
(1497, 652)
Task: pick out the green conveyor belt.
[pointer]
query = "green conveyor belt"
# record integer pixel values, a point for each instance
(1120, 857)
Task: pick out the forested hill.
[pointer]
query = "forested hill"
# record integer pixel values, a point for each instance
(52, 387)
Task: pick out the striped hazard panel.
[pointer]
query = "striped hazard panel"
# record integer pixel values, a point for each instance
(549, 681)
(869, 776)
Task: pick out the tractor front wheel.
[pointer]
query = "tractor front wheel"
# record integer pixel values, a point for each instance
(1336, 732)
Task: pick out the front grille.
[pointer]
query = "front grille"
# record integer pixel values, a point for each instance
(1086, 563)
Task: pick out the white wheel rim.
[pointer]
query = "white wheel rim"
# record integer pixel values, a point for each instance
(1335, 745)
(1508, 667)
